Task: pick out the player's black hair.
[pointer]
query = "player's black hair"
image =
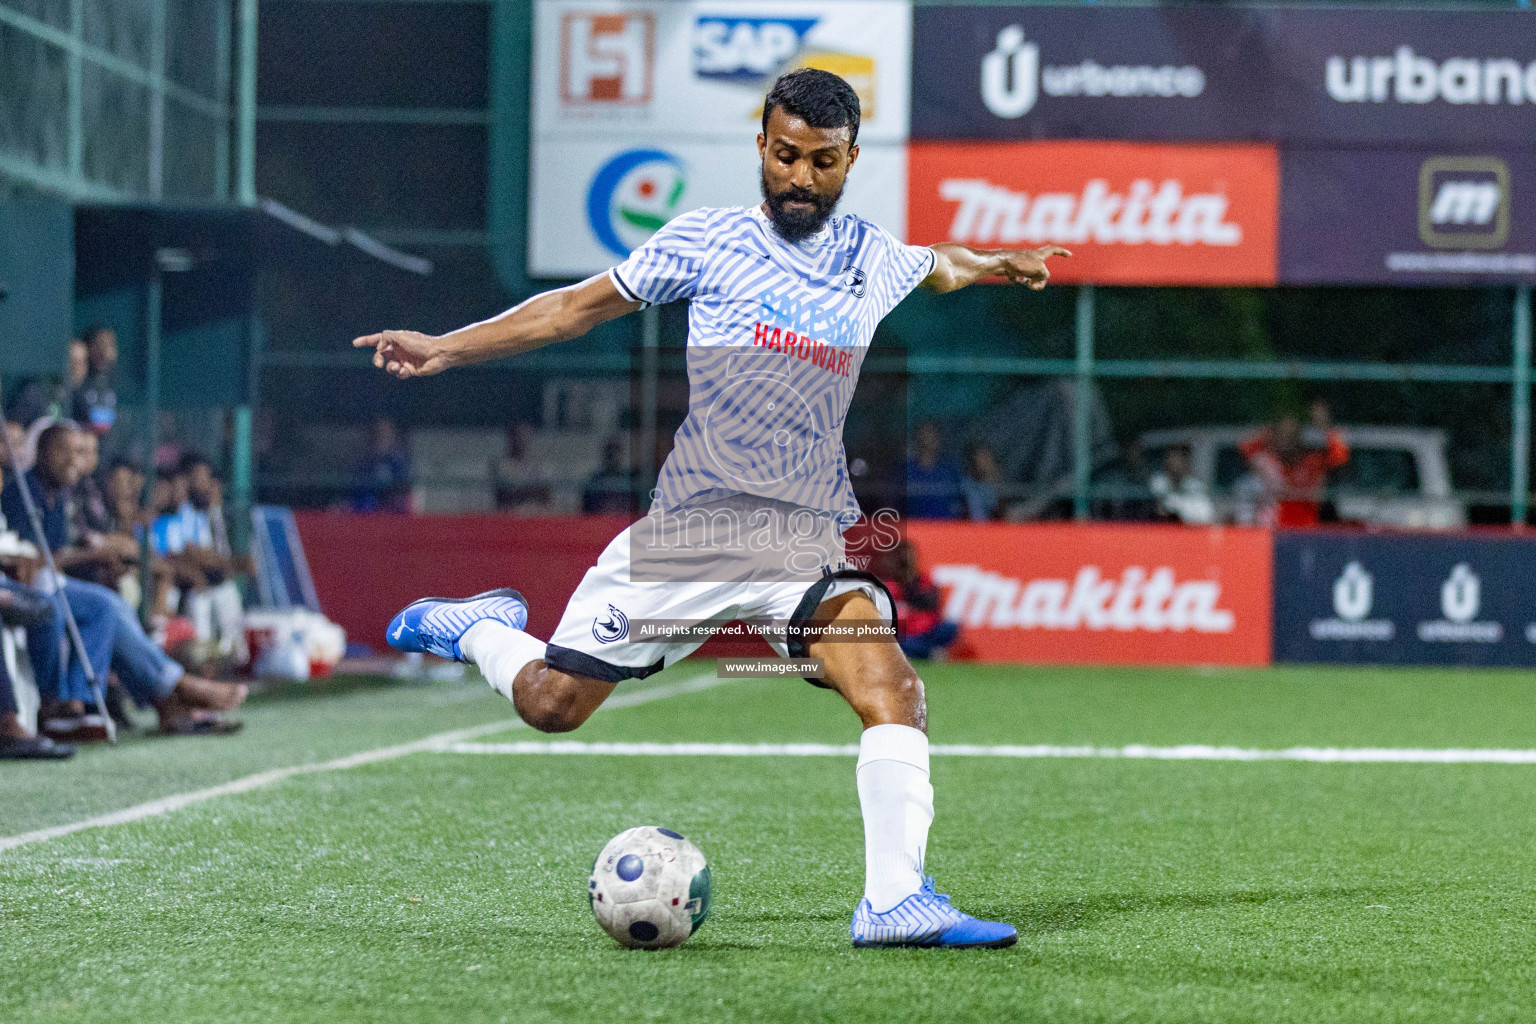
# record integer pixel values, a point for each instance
(819, 98)
(90, 333)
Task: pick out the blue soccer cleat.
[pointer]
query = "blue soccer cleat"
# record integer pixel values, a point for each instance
(925, 919)
(435, 625)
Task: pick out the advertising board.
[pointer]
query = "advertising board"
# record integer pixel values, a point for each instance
(1101, 593)
(698, 71)
(1340, 77)
(1132, 213)
(1407, 217)
(1404, 599)
(595, 201)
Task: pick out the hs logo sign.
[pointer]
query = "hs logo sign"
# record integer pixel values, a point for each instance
(607, 58)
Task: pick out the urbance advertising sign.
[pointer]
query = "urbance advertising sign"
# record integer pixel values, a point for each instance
(1192, 73)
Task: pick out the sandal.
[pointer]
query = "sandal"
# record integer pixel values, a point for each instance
(210, 726)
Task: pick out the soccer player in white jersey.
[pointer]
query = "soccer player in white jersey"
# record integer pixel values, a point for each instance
(785, 298)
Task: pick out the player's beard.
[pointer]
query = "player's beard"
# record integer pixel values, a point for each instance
(798, 225)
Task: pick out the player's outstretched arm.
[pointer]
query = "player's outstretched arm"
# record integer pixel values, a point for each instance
(955, 266)
(558, 315)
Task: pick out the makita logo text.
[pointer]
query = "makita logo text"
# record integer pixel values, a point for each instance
(1144, 214)
(1407, 77)
(799, 346)
(1152, 603)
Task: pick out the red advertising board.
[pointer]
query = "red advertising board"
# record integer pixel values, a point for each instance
(1132, 213)
(1101, 593)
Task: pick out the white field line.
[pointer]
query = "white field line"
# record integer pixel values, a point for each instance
(1188, 752)
(165, 805)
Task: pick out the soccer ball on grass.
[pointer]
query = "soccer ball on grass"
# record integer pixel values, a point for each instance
(649, 888)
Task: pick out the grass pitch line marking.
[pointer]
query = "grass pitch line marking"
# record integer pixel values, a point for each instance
(1188, 752)
(165, 805)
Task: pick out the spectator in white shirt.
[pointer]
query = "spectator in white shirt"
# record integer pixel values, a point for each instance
(1180, 494)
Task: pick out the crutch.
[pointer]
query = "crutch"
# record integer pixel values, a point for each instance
(35, 517)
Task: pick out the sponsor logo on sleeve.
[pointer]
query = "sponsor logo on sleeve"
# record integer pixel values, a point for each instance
(1353, 595)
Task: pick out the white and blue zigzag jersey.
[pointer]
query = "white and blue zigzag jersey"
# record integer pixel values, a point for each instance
(777, 332)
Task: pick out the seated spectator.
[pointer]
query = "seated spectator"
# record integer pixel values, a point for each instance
(114, 640)
(16, 743)
(93, 403)
(933, 482)
(522, 485)
(609, 491)
(184, 535)
(1122, 488)
(383, 477)
(1181, 496)
(1291, 476)
(23, 607)
(925, 633)
(979, 485)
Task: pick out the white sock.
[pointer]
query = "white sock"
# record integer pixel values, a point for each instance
(897, 801)
(500, 651)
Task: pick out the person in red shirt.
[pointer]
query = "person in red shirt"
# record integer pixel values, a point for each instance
(925, 633)
(1294, 475)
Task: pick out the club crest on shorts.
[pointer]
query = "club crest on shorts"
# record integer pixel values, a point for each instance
(610, 628)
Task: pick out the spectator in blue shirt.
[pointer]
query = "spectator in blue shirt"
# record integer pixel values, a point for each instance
(383, 478)
(933, 481)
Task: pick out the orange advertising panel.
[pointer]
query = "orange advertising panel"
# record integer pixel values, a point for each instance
(1062, 593)
(1132, 213)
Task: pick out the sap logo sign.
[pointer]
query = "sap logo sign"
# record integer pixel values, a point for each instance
(746, 49)
(1464, 202)
(607, 58)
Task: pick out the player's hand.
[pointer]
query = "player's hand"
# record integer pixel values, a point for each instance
(1027, 266)
(405, 354)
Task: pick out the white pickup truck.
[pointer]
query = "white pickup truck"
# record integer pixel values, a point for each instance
(1396, 476)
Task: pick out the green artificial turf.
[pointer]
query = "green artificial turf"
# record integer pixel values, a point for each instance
(450, 887)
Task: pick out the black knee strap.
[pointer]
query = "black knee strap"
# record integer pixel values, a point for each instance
(578, 663)
(816, 593)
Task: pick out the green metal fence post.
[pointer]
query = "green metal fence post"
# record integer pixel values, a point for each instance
(153, 296)
(245, 109)
(1082, 405)
(1520, 441)
(645, 459)
(75, 153)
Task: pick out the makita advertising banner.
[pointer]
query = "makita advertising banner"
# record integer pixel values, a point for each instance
(1407, 217)
(1132, 213)
(1343, 77)
(1404, 599)
(1101, 593)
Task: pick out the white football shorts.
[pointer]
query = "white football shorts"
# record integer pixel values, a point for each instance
(663, 585)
